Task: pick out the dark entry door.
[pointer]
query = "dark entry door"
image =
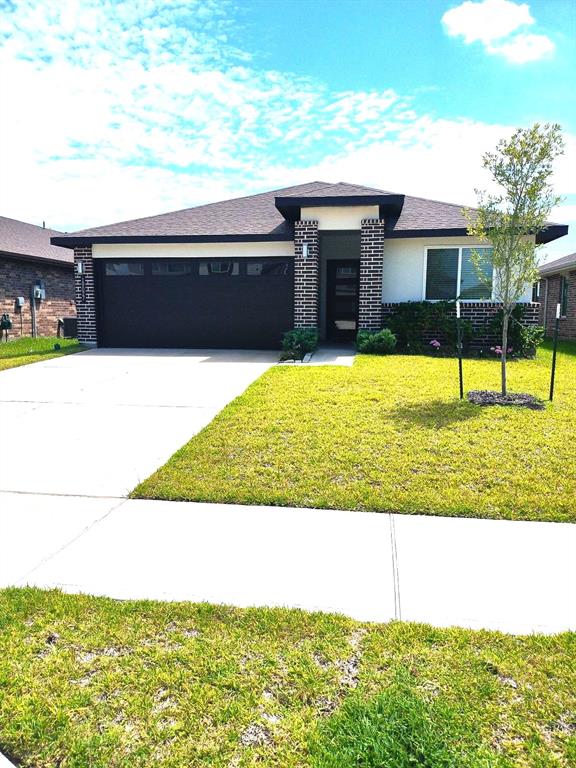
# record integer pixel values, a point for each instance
(343, 280)
(242, 303)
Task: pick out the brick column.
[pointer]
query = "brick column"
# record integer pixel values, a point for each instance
(371, 263)
(85, 295)
(306, 275)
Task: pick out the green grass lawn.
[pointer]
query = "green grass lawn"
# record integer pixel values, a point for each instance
(94, 682)
(27, 350)
(388, 434)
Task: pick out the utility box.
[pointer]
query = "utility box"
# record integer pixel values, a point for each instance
(70, 327)
(39, 293)
(19, 302)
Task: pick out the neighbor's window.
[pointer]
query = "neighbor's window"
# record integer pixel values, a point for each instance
(219, 268)
(171, 268)
(124, 268)
(266, 268)
(563, 296)
(450, 274)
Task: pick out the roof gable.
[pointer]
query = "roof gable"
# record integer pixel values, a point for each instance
(23, 240)
(270, 216)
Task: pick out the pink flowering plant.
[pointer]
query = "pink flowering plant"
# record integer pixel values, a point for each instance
(435, 344)
(498, 350)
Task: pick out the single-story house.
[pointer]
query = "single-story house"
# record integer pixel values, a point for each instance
(558, 286)
(36, 279)
(239, 273)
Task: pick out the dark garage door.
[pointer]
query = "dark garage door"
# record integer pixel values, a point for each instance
(236, 303)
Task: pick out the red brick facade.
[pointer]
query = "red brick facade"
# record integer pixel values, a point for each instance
(306, 275)
(16, 278)
(371, 265)
(85, 295)
(550, 297)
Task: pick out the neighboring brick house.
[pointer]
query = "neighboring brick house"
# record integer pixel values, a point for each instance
(558, 286)
(28, 260)
(239, 273)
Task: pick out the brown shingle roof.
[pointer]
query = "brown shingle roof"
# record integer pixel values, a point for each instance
(558, 265)
(17, 238)
(256, 217)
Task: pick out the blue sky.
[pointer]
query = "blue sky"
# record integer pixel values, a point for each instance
(126, 108)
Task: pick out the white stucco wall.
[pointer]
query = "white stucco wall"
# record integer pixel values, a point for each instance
(404, 266)
(191, 250)
(343, 217)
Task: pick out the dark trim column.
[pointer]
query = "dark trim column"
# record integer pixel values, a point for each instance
(371, 266)
(306, 275)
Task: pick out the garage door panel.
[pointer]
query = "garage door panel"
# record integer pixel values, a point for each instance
(242, 303)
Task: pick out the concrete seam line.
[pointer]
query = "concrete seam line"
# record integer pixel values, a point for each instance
(395, 570)
(85, 530)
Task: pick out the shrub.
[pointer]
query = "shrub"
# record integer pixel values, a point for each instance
(416, 323)
(298, 342)
(523, 340)
(376, 343)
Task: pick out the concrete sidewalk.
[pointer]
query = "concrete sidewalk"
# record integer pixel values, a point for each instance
(512, 576)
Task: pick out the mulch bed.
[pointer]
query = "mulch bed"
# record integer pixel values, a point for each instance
(486, 397)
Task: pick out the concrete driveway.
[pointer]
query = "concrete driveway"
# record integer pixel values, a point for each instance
(98, 422)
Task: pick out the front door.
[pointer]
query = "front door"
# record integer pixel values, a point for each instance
(342, 287)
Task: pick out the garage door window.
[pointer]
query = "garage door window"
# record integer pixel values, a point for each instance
(219, 268)
(124, 269)
(162, 268)
(267, 269)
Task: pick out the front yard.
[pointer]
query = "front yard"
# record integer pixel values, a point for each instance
(388, 434)
(27, 350)
(95, 682)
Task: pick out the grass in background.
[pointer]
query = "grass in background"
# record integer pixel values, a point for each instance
(95, 682)
(388, 434)
(27, 350)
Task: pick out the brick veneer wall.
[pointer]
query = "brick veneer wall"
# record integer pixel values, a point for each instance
(479, 314)
(306, 275)
(85, 296)
(371, 266)
(550, 296)
(16, 278)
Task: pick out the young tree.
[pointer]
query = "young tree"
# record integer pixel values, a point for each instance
(509, 221)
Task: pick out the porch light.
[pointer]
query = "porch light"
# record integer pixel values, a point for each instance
(304, 250)
(80, 268)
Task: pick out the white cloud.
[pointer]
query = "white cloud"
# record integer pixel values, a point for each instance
(496, 24)
(522, 48)
(486, 21)
(127, 108)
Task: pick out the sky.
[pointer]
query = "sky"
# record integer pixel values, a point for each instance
(116, 109)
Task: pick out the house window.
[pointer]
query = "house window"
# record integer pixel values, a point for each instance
(266, 268)
(171, 268)
(219, 268)
(450, 274)
(563, 296)
(124, 269)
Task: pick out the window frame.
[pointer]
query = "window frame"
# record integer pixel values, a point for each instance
(458, 248)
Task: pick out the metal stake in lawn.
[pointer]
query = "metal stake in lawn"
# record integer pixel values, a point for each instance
(459, 349)
(553, 374)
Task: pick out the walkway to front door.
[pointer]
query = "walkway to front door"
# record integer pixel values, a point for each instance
(342, 287)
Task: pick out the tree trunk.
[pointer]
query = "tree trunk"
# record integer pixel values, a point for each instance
(505, 319)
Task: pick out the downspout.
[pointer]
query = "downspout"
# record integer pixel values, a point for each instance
(33, 311)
